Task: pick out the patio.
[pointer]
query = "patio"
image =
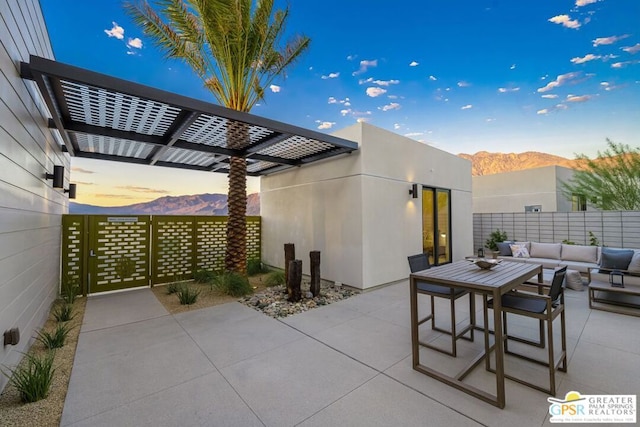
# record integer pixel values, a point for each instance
(348, 363)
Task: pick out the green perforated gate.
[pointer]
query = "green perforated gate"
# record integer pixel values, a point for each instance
(118, 252)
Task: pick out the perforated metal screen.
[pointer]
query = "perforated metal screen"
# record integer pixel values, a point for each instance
(102, 117)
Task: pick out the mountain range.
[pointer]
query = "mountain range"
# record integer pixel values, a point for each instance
(482, 163)
(196, 204)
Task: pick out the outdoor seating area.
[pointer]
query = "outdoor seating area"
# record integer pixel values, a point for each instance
(343, 364)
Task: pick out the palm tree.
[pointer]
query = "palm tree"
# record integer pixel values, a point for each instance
(235, 47)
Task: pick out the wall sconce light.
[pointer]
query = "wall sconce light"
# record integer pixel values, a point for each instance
(57, 176)
(414, 191)
(71, 191)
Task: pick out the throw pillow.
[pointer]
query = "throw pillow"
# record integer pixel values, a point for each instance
(573, 280)
(504, 248)
(634, 265)
(519, 251)
(615, 259)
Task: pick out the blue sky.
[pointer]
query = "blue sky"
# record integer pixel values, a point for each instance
(473, 75)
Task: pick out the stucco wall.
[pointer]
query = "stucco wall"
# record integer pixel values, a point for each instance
(512, 191)
(357, 211)
(30, 209)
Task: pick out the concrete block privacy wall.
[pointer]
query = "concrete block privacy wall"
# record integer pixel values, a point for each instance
(30, 208)
(356, 209)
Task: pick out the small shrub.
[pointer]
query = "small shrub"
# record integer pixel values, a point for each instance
(254, 267)
(568, 242)
(54, 339)
(593, 240)
(233, 284)
(275, 278)
(63, 312)
(186, 295)
(172, 288)
(496, 237)
(33, 377)
(70, 288)
(204, 276)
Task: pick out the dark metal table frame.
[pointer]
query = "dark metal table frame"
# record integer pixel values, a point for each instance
(489, 283)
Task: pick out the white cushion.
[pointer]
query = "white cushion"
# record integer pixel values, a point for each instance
(526, 245)
(634, 265)
(519, 251)
(545, 250)
(573, 280)
(580, 253)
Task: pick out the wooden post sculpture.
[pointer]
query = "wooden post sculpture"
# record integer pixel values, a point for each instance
(289, 255)
(315, 273)
(294, 280)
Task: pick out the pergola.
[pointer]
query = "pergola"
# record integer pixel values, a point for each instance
(103, 117)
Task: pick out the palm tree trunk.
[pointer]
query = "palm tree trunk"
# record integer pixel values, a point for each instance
(236, 253)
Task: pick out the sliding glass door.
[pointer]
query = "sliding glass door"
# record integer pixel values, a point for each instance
(436, 224)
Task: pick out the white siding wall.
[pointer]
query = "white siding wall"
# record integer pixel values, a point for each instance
(30, 209)
(357, 210)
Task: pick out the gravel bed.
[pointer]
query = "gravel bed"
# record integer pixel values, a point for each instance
(273, 301)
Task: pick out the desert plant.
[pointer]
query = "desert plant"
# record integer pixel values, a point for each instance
(254, 267)
(56, 338)
(63, 312)
(593, 240)
(187, 295)
(70, 288)
(204, 276)
(496, 237)
(234, 284)
(172, 288)
(33, 377)
(275, 278)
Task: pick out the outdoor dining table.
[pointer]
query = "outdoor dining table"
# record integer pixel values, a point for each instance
(491, 283)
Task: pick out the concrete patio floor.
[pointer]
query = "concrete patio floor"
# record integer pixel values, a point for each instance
(347, 364)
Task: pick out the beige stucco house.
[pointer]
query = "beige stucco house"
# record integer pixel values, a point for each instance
(358, 212)
(530, 190)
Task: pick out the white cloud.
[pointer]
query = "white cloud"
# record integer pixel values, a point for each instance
(414, 64)
(608, 40)
(623, 64)
(274, 88)
(433, 78)
(580, 3)
(413, 134)
(561, 107)
(505, 89)
(543, 111)
(351, 57)
(396, 126)
(550, 96)
(463, 84)
(375, 91)
(576, 98)
(513, 67)
(378, 82)
(565, 21)
(332, 100)
(345, 112)
(632, 49)
(364, 66)
(135, 43)
(559, 81)
(466, 107)
(324, 125)
(588, 57)
(117, 31)
(330, 76)
(490, 119)
(391, 106)
(362, 119)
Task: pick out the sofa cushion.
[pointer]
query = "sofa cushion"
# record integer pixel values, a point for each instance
(582, 267)
(615, 259)
(544, 262)
(504, 249)
(634, 264)
(526, 245)
(545, 250)
(580, 253)
(519, 251)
